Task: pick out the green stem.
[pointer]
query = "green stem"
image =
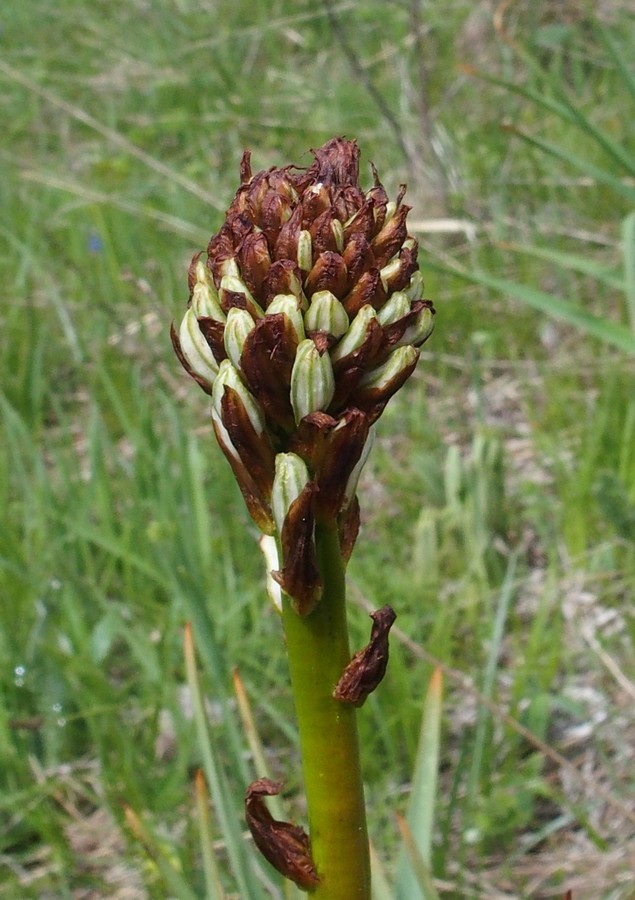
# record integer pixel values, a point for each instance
(318, 651)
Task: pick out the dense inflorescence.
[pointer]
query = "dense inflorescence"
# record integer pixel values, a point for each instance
(304, 318)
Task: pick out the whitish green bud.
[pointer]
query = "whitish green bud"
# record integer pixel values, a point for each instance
(391, 209)
(228, 375)
(236, 285)
(195, 348)
(415, 288)
(237, 329)
(389, 271)
(230, 268)
(353, 478)
(396, 308)
(205, 302)
(420, 329)
(338, 234)
(305, 251)
(381, 377)
(326, 313)
(290, 306)
(290, 479)
(202, 272)
(356, 334)
(312, 380)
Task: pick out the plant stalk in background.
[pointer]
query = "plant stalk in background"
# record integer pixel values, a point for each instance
(305, 317)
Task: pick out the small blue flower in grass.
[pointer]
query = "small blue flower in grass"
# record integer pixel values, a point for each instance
(95, 243)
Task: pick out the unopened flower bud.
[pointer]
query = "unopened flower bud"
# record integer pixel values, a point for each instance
(228, 375)
(356, 334)
(290, 306)
(305, 251)
(382, 377)
(238, 327)
(338, 234)
(391, 208)
(231, 289)
(230, 268)
(392, 236)
(283, 278)
(328, 274)
(414, 290)
(388, 271)
(200, 269)
(421, 328)
(195, 348)
(292, 476)
(312, 380)
(326, 313)
(396, 308)
(205, 302)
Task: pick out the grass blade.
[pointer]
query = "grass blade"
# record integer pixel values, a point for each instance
(213, 886)
(628, 252)
(112, 135)
(489, 677)
(262, 768)
(604, 330)
(421, 883)
(602, 176)
(563, 108)
(420, 816)
(572, 262)
(381, 889)
(232, 834)
(628, 74)
(171, 876)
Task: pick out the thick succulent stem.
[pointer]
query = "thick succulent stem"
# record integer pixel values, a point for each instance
(318, 652)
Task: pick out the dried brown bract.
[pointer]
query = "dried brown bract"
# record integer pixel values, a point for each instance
(368, 667)
(284, 845)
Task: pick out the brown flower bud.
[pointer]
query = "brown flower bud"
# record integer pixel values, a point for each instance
(390, 239)
(283, 277)
(328, 274)
(254, 260)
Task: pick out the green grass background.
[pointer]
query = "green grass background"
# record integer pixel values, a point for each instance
(498, 505)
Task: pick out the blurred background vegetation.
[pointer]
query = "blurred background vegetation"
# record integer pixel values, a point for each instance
(498, 505)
